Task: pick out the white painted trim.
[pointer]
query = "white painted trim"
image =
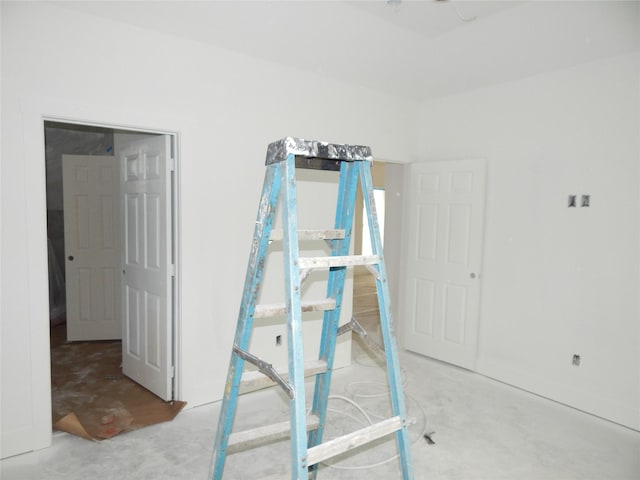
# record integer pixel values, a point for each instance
(177, 269)
(37, 278)
(638, 151)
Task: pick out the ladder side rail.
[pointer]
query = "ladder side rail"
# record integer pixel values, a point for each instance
(345, 207)
(253, 282)
(393, 367)
(292, 286)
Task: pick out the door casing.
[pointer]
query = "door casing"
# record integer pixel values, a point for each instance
(31, 409)
(175, 231)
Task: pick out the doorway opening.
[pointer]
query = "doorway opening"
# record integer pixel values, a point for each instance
(379, 198)
(365, 298)
(111, 228)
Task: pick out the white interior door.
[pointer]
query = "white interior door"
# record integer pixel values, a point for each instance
(147, 261)
(92, 240)
(443, 259)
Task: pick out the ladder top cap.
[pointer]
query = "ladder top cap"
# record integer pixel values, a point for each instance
(278, 150)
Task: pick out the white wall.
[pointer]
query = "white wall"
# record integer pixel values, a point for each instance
(316, 201)
(556, 281)
(225, 107)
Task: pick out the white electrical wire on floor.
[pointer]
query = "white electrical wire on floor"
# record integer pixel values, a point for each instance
(351, 389)
(462, 17)
(412, 421)
(358, 407)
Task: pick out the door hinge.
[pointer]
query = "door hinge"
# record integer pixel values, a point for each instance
(172, 372)
(172, 164)
(172, 270)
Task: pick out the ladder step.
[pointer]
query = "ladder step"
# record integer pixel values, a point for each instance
(254, 380)
(276, 309)
(353, 440)
(270, 433)
(330, 263)
(337, 261)
(277, 234)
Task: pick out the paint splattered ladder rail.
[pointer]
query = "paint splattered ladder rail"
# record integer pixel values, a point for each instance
(306, 431)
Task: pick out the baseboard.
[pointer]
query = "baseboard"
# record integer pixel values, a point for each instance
(16, 442)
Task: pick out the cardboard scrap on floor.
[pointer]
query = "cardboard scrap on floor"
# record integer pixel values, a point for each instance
(99, 425)
(91, 396)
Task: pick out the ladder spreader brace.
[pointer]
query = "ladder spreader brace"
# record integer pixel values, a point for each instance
(306, 431)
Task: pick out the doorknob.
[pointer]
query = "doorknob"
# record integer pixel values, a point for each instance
(473, 275)
(71, 258)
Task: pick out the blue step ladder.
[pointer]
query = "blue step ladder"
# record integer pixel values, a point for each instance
(306, 430)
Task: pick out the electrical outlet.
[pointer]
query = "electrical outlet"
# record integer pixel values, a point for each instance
(576, 360)
(585, 200)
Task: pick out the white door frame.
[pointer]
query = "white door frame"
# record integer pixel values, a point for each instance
(175, 214)
(31, 429)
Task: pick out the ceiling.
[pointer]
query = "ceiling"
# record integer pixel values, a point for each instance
(415, 49)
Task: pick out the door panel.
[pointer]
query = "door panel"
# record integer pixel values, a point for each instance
(92, 247)
(147, 261)
(443, 259)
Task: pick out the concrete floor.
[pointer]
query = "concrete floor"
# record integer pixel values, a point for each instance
(483, 430)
